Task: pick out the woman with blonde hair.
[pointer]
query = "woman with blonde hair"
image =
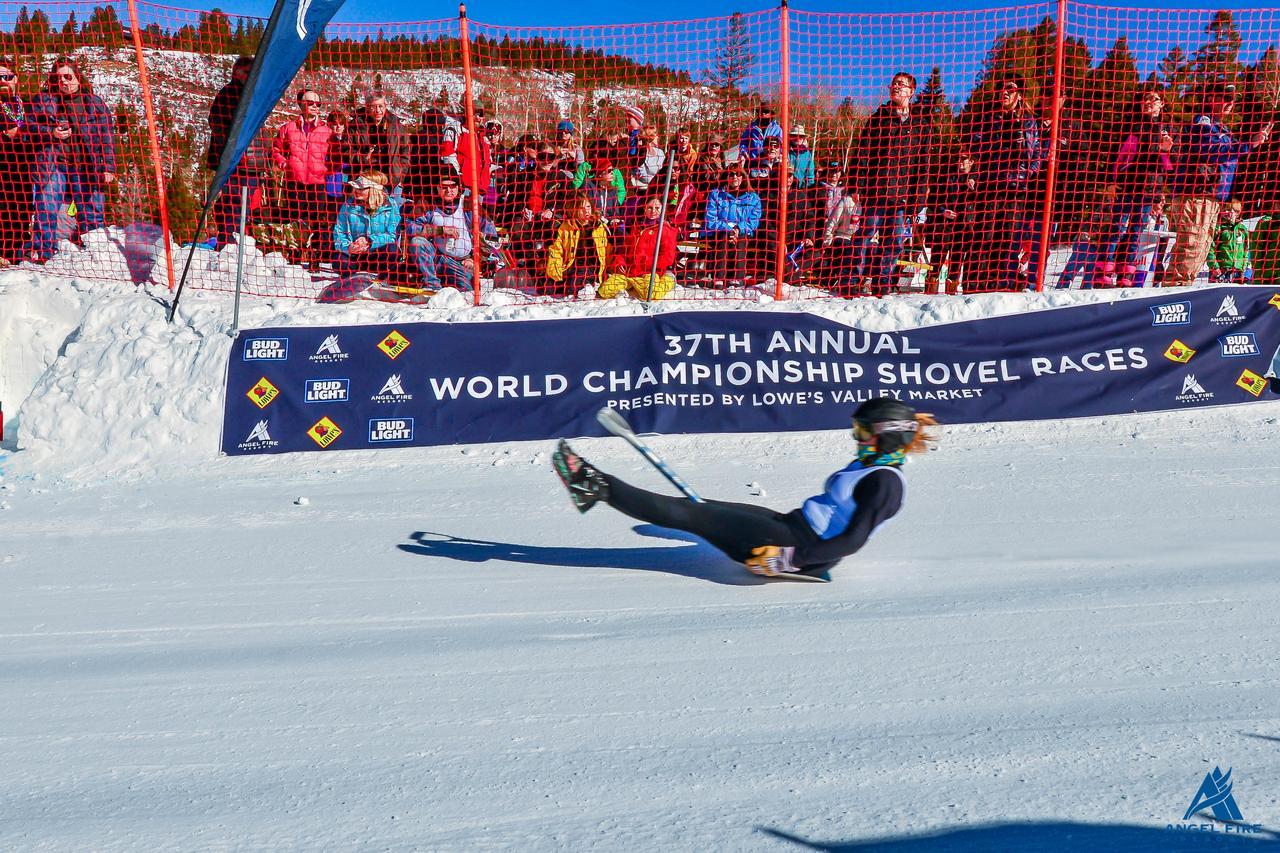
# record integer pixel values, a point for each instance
(364, 236)
(805, 543)
(577, 255)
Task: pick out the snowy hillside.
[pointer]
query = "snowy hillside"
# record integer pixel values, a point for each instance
(1069, 626)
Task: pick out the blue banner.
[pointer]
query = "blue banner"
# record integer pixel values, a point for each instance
(292, 30)
(415, 384)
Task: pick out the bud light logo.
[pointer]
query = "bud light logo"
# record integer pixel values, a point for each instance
(382, 430)
(327, 390)
(1239, 345)
(1173, 314)
(266, 349)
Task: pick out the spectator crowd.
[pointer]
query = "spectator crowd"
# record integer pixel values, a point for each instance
(623, 208)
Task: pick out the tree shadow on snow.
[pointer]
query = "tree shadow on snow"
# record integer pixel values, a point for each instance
(1049, 837)
(695, 560)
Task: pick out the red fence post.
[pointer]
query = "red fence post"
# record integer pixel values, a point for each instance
(153, 142)
(474, 141)
(784, 35)
(1051, 179)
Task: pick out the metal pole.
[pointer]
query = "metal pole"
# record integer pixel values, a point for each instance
(240, 241)
(1051, 179)
(662, 221)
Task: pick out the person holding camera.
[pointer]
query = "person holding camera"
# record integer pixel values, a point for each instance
(75, 156)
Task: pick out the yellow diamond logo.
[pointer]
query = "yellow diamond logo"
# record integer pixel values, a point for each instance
(1179, 352)
(1251, 382)
(262, 393)
(1274, 302)
(324, 432)
(393, 344)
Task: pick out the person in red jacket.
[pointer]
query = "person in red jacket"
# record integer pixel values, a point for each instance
(633, 265)
(483, 155)
(301, 152)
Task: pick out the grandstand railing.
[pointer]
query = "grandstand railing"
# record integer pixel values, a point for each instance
(920, 220)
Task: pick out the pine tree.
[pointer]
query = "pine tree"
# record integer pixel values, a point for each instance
(1219, 57)
(732, 64)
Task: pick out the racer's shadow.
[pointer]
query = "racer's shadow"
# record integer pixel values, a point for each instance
(695, 560)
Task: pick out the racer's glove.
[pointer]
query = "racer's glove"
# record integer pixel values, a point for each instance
(771, 560)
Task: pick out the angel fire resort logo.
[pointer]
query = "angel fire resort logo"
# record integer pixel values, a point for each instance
(1252, 382)
(1215, 796)
(259, 438)
(1227, 312)
(324, 432)
(1179, 352)
(393, 344)
(1193, 391)
(329, 351)
(392, 391)
(1239, 345)
(262, 393)
(266, 349)
(1173, 314)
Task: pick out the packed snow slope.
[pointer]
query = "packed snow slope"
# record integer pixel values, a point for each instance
(1067, 628)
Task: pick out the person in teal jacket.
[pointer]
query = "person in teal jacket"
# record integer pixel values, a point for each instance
(365, 233)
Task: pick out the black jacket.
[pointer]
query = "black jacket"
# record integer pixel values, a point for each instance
(891, 162)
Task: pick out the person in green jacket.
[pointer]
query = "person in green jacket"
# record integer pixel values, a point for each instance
(1229, 260)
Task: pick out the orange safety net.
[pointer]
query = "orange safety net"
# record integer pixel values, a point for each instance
(801, 154)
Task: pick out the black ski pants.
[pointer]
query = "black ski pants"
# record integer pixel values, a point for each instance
(732, 528)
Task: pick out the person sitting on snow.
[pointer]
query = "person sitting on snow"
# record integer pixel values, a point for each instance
(634, 264)
(855, 501)
(364, 235)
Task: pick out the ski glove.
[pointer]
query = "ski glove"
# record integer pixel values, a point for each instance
(771, 560)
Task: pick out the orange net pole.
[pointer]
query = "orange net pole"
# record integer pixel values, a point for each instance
(153, 143)
(1055, 139)
(784, 177)
(474, 143)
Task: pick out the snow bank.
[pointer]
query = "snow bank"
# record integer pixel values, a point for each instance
(98, 383)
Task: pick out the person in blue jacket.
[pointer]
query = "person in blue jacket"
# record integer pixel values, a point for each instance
(364, 235)
(855, 502)
(733, 215)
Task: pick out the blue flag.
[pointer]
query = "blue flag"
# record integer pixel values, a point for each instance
(294, 28)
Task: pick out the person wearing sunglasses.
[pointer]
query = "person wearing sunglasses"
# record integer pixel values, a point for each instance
(16, 152)
(1010, 146)
(856, 501)
(301, 153)
(888, 180)
(75, 158)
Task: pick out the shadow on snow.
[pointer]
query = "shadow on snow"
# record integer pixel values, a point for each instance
(1046, 837)
(694, 560)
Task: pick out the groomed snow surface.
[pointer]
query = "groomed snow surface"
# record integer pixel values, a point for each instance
(1069, 625)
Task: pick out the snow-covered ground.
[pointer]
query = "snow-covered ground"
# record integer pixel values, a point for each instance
(1068, 627)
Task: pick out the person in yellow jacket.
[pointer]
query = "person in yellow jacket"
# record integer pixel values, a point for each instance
(632, 266)
(574, 262)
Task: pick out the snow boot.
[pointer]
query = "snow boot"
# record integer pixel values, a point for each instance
(1127, 274)
(1104, 274)
(586, 485)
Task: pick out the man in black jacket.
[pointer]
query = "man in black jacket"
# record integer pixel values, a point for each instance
(378, 139)
(225, 209)
(890, 174)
